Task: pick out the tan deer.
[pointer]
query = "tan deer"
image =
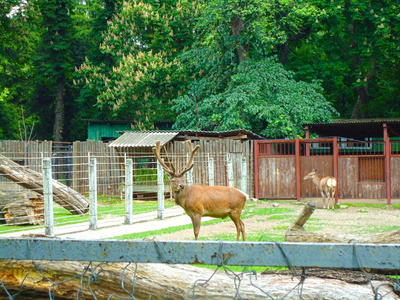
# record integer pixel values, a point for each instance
(327, 187)
(201, 200)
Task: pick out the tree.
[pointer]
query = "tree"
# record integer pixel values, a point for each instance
(18, 43)
(263, 97)
(54, 64)
(142, 41)
(236, 82)
(353, 48)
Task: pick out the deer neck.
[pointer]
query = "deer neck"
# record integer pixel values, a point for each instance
(181, 196)
(317, 181)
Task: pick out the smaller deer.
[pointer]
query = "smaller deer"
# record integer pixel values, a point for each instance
(327, 187)
(201, 200)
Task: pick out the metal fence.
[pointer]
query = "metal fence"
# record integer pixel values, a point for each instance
(23, 191)
(116, 269)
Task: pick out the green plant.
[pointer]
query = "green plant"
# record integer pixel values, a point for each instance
(147, 177)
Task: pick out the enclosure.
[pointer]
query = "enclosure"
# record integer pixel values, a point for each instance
(34, 260)
(365, 169)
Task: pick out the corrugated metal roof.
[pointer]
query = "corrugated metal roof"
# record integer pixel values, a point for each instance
(356, 128)
(359, 121)
(143, 139)
(216, 134)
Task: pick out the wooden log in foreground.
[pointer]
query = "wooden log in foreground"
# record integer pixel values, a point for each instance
(297, 233)
(68, 198)
(162, 281)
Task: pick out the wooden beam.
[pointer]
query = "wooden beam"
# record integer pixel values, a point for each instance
(387, 164)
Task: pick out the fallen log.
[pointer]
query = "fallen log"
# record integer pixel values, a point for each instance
(297, 233)
(67, 280)
(68, 198)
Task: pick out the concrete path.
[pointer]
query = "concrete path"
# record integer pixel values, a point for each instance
(109, 228)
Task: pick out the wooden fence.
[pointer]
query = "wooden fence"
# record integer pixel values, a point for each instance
(70, 163)
(365, 169)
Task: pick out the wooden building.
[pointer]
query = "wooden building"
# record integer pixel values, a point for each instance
(218, 146)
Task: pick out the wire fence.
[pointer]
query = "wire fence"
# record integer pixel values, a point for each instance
(148, 270)
(22, 201)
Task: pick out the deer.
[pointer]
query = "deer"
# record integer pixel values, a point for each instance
(327, 187)
(201, 200)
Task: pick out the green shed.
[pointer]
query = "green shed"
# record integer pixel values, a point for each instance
(105, 131)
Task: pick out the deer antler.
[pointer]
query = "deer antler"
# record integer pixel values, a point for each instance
(189, 164)
(156, 151)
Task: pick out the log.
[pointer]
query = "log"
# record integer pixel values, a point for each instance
(297, 233)
(100, 280)
(21, 208)
(68, 198)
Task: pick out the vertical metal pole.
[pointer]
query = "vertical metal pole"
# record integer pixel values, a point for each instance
(160, 191)
(128, 191)
(189, 175)
(211, 175)
(93, 193)
(244, 175)
(48, 198)
(231, 180)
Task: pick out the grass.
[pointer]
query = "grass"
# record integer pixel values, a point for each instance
(106, 206)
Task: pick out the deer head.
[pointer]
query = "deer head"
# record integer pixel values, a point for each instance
(311, 175)
(176, 177)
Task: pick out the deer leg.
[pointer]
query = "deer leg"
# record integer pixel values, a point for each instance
(332, 192)
(243, 230)
(329, 199)
(196, 221)
(238, 224)
(323, 199)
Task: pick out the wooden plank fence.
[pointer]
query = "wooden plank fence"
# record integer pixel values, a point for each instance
(365, 169)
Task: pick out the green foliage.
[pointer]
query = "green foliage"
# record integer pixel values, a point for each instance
(143, 39)
(147, 176)
(354, 44)
(237, 83)
(213, 61)
(8, 115)
(263, 97)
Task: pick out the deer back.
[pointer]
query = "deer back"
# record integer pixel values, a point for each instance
(213, 201)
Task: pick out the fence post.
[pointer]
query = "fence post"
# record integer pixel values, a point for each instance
(231, 180)
(160, 191)
(48, 198)
(189, 174)
(128, 191)
(244, 175)
(93, 193)
(211, 171)
(297, 168)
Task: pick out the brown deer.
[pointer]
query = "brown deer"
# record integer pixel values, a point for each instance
(327, 187)
(201, 200)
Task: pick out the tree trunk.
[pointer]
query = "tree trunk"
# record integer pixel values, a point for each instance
(297, 233)
(68, 198)
(163, 281)
(237, 29)
(59, 111)
(362, 89)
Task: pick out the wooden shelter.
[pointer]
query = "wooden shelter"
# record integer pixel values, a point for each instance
(215, 145)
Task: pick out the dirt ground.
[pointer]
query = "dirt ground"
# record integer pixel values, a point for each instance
(345, 220)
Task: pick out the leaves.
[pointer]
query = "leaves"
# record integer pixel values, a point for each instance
(263, 97)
